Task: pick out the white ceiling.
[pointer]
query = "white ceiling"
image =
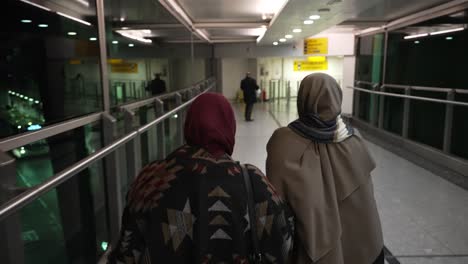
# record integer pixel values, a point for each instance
(349, 12)
(244, 20)
(230, 10)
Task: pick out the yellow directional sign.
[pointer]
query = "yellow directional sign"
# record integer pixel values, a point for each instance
(311, 65)
(316, 46)
(124, 67)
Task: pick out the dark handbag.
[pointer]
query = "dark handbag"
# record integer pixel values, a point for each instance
(257, 256)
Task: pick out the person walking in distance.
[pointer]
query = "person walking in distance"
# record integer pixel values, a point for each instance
(157, 85)
(249, 87)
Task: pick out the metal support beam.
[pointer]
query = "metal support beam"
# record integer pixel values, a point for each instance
(113, 179)
(448, 123)
(133, 148)
(160, 131)
(381, 109)
(229, 25)
(180, 120)
(103, 54)
(12, 246)
(406, 113)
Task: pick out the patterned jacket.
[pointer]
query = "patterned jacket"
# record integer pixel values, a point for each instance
(192, 208)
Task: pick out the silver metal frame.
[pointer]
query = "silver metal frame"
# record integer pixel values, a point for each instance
(449, 102)
(49, 131)
(35, 192)
(13, 247)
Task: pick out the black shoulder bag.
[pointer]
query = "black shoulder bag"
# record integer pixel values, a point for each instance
(257, 256)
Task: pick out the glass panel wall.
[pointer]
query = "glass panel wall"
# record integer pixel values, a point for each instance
(369, 63)
(429, 61)
(49, 64)
(59, 223)
(429, 58)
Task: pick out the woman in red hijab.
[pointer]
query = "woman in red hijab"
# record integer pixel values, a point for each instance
(192, 206)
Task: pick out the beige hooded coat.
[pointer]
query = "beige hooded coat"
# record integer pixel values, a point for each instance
(328, 186)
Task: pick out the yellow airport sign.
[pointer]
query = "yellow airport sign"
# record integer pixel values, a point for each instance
(124, 67)
(316, 46)
(308, 65)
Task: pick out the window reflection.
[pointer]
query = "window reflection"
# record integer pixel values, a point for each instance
(49, 67)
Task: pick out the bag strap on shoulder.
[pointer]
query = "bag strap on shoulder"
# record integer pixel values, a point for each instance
(257, 256)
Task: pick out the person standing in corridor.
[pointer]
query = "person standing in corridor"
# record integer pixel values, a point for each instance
(157, 86)
(249, 87)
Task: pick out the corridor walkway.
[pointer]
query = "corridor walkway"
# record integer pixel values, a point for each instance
(424, 217)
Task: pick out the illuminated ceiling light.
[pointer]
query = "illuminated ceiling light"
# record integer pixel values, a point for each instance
(37, 102)
(36, 5)
(297, 30)
(275, 43)
(31, 100)
(23, 151)
(282, 40)
(449, 38)
(314, 17)
(122, 19)
(447, 31)
(74, 19)
(43, 25)
(124, 28)
(308, 22)
(71, 33)
(416, 42)
(138, 35)
(29, 123)
(131, 45)
(416, 36)
(26, 21)
(26, 98)
(83, 2)
(93, 39)
(115, 42)
(288, 36)
(264, 17)
(19, 127)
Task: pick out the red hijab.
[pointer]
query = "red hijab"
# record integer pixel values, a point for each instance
(211, 124)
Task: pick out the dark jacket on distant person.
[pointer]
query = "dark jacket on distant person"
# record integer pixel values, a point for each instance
(157, 86)
(249, 86)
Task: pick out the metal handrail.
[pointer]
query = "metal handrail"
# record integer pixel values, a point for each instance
(135, 105)
(17, 141)
(34, 193)
(395, 86)
(23, 139)
(409, 96)
(431, 89)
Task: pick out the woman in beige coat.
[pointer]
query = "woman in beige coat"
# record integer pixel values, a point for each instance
(322, 169)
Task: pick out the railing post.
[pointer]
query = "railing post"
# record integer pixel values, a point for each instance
(124, 92)
(160, 131)
(357, 102)
(180, 120)
(113, 179)
(406, 113)
(288, 91)
(448, 122)
(12, 246)
(133, 148)
(270, 90)
(381, 108)
(374, 100)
